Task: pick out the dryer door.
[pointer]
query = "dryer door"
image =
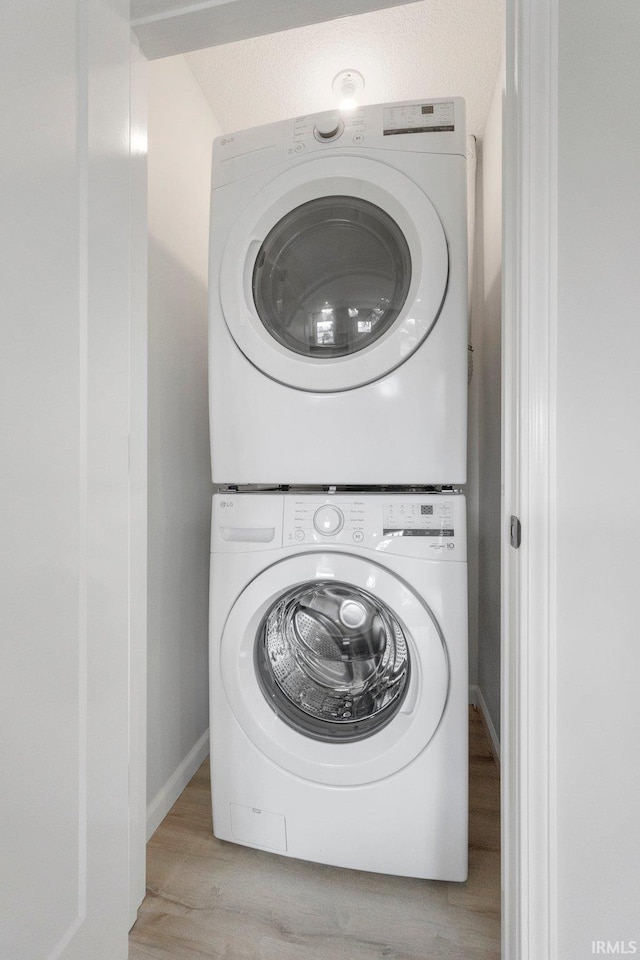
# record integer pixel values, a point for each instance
(334, 668)
(334, 273)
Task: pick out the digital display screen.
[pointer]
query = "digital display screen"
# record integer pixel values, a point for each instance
(427, 108)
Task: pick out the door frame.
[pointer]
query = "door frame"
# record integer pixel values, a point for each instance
(528, 614)
(530, 125)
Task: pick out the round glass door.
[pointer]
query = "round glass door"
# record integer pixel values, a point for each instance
(333, 661)
(332, 273)
(317, 636)
(331, 277)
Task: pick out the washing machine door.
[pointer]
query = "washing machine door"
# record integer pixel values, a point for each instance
(334, 273)
(334, 668)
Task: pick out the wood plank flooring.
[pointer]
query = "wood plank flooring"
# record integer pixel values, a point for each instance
(212, 900)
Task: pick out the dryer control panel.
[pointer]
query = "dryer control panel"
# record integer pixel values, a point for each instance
(383, 126)
(420, 126)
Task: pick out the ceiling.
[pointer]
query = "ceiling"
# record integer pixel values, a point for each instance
(430, 48)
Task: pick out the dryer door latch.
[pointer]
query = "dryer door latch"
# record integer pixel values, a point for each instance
(515, 532)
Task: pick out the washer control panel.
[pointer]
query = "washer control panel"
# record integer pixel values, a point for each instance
(430, 526)
(424, 525)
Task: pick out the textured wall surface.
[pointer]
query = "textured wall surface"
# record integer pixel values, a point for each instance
(434, 48)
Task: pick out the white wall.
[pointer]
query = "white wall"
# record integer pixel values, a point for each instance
(181, 129)
(487, 320)
(598, 477)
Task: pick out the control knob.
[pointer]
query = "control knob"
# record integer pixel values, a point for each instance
(328, 520)
(329, 128)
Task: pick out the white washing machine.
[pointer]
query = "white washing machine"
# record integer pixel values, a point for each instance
(338, 299)
(339, 690)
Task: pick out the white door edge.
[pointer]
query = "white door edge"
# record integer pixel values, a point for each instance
(528, 574)
(138, 483)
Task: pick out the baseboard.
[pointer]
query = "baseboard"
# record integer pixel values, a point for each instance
(169, 793)
(476, 698)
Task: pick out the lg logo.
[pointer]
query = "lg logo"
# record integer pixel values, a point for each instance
(226, 503)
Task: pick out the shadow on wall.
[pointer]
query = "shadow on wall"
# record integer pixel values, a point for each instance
(179, 515)
(490, 513)
(485, 435)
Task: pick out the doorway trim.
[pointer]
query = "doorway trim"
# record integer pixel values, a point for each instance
(530, 126)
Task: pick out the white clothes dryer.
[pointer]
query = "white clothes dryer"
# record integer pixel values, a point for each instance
(338, 641)
(338, 299)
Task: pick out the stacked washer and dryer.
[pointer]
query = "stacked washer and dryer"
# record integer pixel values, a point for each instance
(338, 372)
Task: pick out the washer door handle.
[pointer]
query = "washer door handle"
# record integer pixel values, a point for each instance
(252, 251)
(411, 697)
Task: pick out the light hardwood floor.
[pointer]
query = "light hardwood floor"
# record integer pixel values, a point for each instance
(211, 900)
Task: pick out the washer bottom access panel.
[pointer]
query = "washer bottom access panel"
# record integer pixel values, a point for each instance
(339, 679)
